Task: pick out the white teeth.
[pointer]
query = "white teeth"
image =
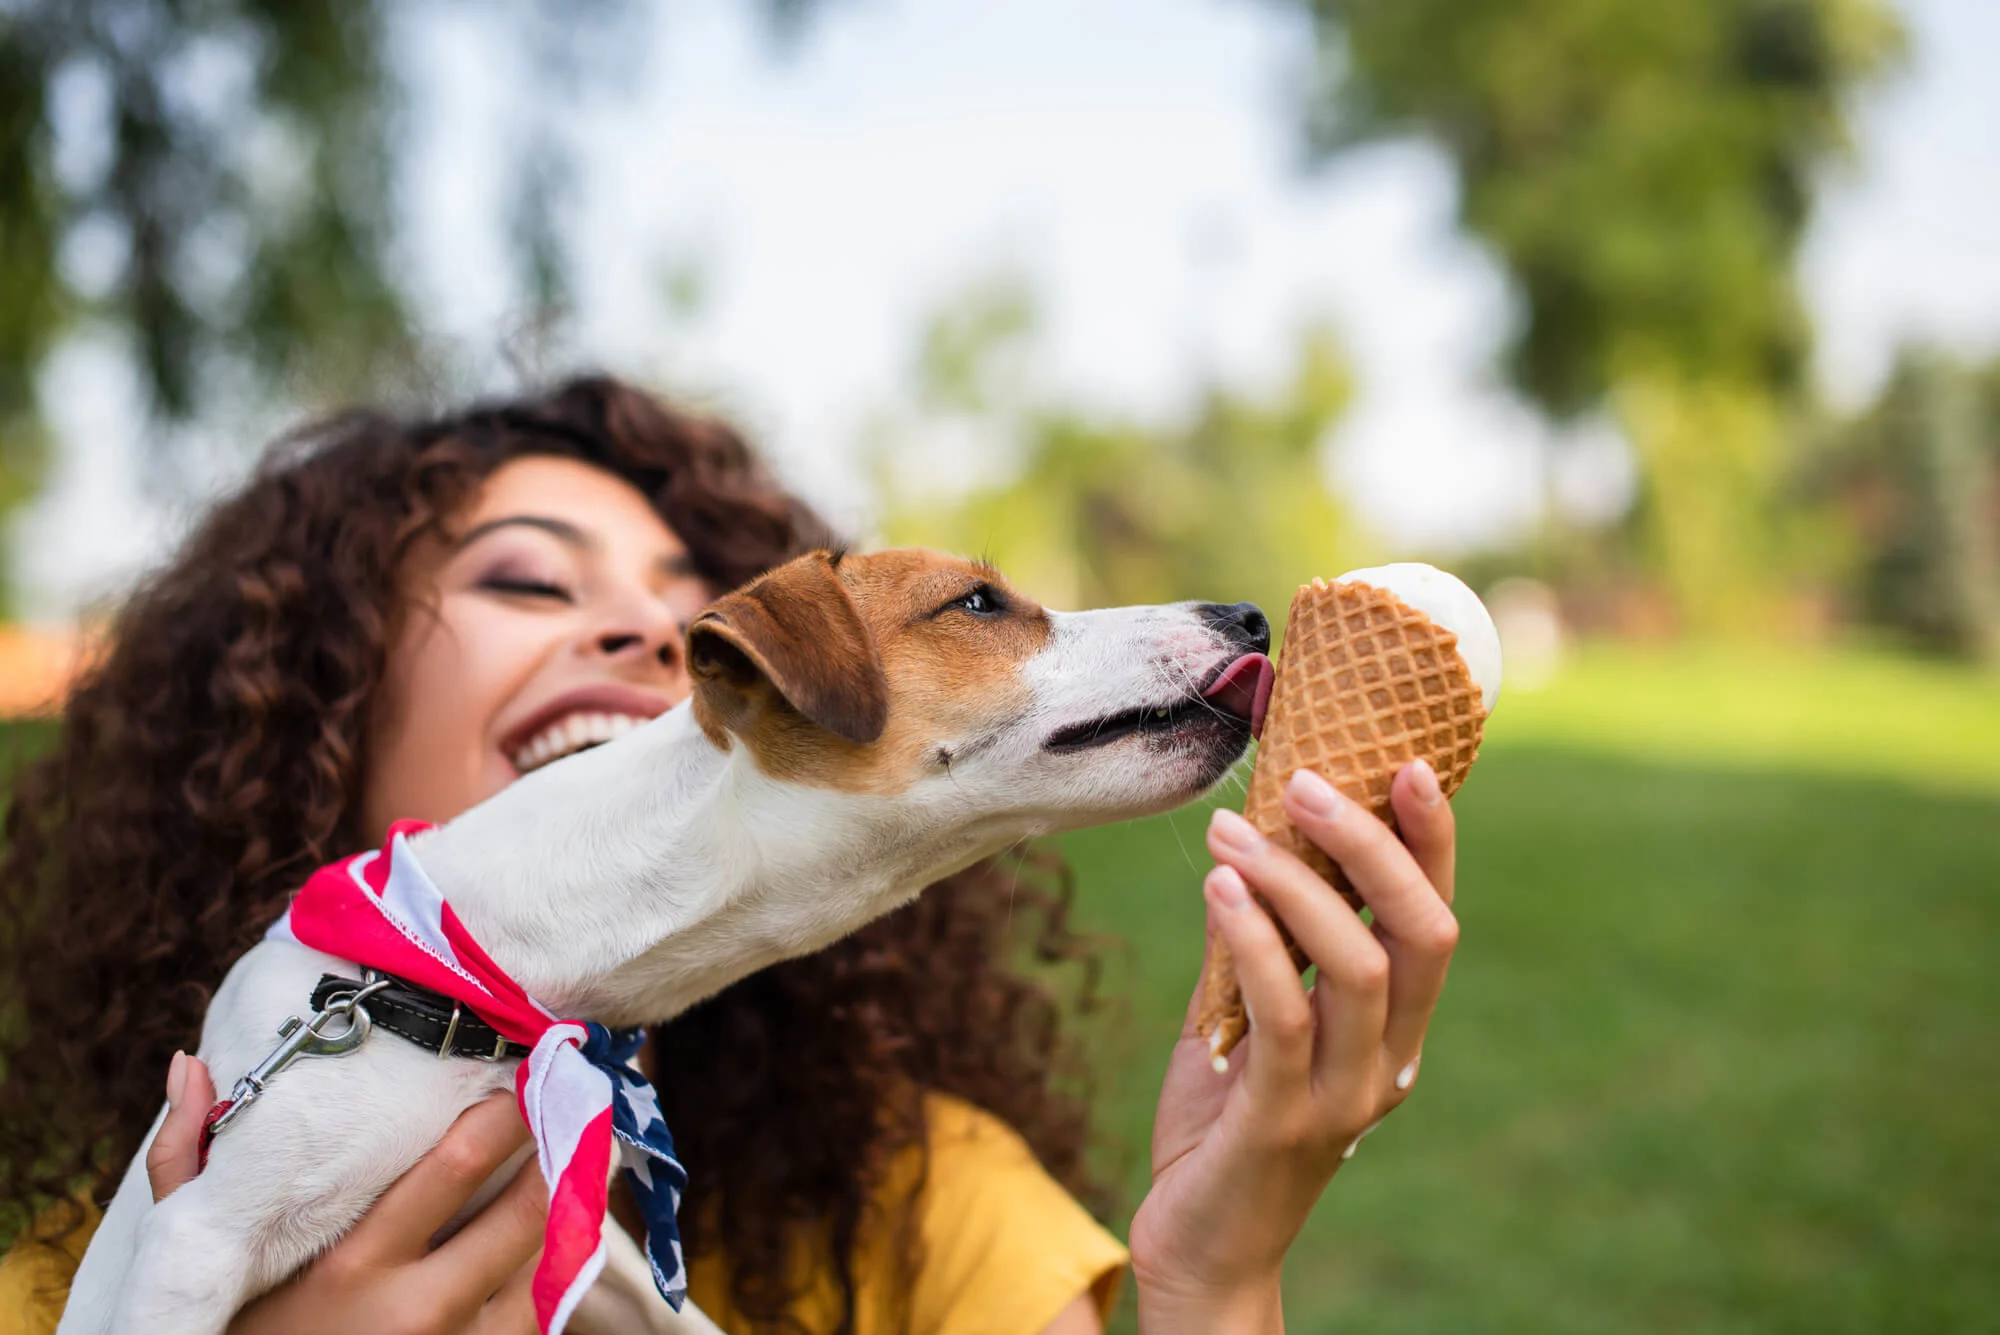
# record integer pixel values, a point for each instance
(570, 734)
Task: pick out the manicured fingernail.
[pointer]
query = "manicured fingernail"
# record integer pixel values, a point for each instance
(177, 1078)
(1425, 782)
(1227, 885)
(1314, 795)
(1234, 831)
(1408, 1075)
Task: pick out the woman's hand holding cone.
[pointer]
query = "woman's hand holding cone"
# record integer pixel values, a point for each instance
(1239, 1160)
(1370, 679)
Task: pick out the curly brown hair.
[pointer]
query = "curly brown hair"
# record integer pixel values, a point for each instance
(214, 755)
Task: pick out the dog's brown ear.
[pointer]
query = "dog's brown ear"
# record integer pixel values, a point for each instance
(794, 633)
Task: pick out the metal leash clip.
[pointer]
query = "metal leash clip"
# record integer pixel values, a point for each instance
(305, 1038)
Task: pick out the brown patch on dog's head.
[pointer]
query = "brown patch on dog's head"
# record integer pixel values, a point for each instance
(791, 640)
(862, 672)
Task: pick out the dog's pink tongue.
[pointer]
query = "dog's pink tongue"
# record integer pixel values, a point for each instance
(1244, 689)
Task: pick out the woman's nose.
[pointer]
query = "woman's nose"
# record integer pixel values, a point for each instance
(649, 629)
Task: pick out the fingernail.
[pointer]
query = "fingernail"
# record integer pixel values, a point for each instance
(177, 1078)
(1228, 888)
(1408, 1075)
(1425, 781)
(1234, 831)
(1314, 794)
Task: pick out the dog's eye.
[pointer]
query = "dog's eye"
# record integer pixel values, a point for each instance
(982, 601)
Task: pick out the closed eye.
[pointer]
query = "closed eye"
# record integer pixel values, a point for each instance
(526, 588)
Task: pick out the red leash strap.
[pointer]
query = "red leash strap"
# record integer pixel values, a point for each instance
(208, 1132)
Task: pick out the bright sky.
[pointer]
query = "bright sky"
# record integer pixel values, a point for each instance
(1135, 160)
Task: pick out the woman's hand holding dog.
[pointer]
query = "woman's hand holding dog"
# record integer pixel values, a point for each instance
(1239, 1159)
(384, 1276)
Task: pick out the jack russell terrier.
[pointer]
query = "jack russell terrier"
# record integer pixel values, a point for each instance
(860, 727)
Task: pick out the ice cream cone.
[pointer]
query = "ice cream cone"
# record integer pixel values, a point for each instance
(1366, 684)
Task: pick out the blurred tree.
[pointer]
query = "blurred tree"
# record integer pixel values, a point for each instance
(1916, 479)
(212, 180)
(1643, 172)
(209, 177)
(1088, 510)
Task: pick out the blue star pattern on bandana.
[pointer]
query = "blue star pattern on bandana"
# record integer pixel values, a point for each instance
(646, 1152)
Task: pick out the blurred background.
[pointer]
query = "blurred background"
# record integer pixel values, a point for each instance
(1675, 328)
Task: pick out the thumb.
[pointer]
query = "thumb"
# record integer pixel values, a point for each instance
(175, 1155)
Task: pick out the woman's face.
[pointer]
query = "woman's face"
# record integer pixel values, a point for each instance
(549, 616)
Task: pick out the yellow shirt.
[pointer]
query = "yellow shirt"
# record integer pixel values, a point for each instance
(1004, 1249)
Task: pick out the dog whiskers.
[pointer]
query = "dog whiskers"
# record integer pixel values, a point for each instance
(1186, 856)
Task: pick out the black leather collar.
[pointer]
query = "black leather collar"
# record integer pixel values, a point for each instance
(428, 1019)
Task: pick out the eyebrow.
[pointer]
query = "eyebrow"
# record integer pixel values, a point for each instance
(677, 564)
(562, 529)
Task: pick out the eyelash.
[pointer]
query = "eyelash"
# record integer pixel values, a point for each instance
(526, 588)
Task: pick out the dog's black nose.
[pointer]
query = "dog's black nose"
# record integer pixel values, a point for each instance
(1244, 622)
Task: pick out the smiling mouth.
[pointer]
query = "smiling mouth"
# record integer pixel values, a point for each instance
(569, 735)
(1234, 698)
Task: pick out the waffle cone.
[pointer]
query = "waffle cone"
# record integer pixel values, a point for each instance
(1366, 684)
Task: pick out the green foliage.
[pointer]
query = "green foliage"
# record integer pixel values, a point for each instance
(228, 166)
(32, 306)
(972, 352)
(1669, 1085)
(1709, 523)
(212, 182)
(1088, 509)
(1643, 172)
(1915, 480)
(233, 155)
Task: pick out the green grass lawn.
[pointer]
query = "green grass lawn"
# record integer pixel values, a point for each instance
(1721, 1049)
(1871, 715)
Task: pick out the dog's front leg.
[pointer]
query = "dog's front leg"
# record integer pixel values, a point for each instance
(192, 1269)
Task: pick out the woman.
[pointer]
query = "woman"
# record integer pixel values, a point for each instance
(875, 1143)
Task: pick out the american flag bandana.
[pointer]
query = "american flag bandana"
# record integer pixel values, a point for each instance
(581, 1097)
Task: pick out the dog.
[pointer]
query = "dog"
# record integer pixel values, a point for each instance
(860, 726)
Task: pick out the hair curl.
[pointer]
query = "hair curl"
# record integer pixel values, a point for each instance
(214, 755)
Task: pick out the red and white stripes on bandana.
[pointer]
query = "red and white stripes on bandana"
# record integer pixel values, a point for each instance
(578, 1093)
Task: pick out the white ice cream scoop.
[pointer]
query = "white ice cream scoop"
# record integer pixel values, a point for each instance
(1445, 599)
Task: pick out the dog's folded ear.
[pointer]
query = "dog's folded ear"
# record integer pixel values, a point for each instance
(793, 636)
